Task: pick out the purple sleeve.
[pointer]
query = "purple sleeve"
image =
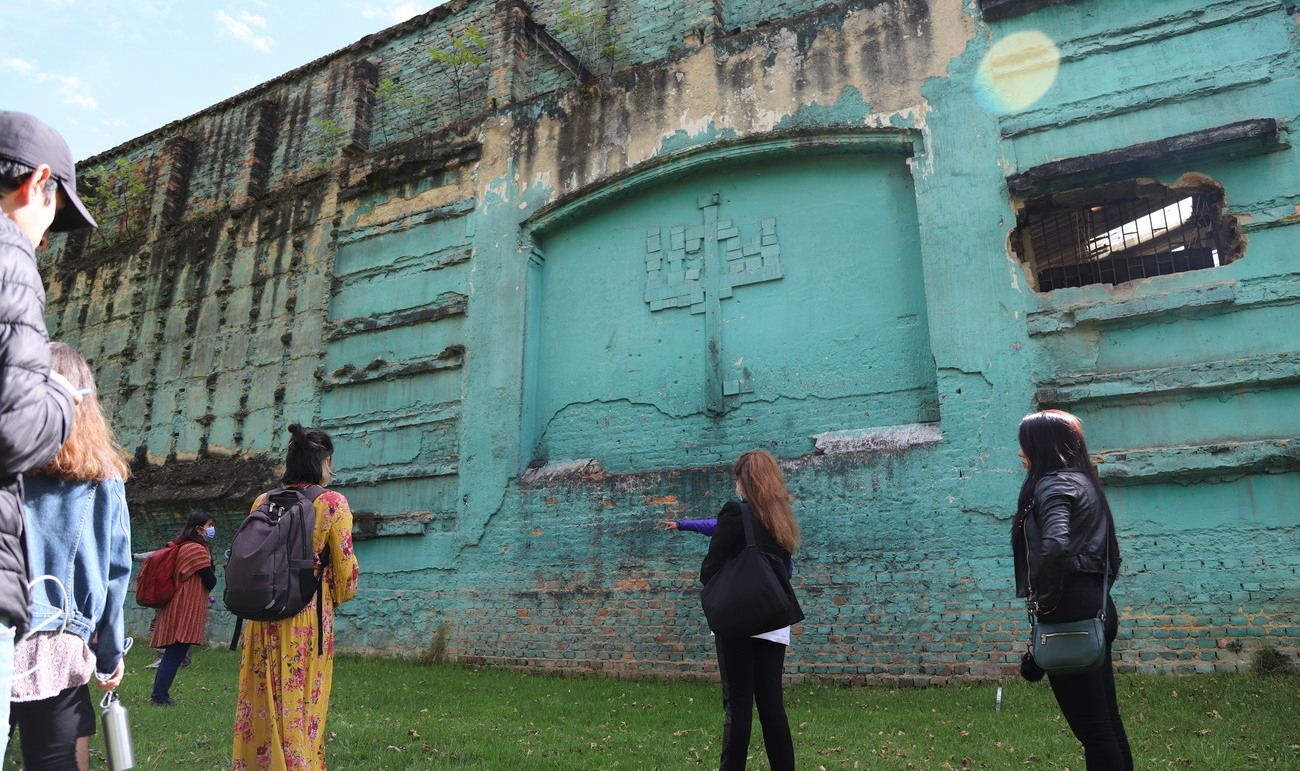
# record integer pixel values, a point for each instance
(701, 526)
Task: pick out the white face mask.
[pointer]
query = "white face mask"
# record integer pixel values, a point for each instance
(210, 532)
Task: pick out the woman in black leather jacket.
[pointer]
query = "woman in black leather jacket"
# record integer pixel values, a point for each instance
(1063, 540)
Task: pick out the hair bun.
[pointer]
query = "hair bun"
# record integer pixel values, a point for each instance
(296, 430)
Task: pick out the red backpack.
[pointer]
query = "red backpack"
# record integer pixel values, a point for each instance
(156, 583)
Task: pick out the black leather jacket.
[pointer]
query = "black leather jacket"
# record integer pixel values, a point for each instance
(35, 414)
(1064, 531)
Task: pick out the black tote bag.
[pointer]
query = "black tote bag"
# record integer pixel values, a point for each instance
(749, 595)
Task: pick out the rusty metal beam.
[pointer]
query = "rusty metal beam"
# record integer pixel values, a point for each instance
(1258, 135)
(539, 35)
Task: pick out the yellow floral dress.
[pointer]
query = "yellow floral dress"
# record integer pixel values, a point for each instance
(284, 684)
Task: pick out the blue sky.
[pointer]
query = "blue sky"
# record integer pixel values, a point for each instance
(105, 71)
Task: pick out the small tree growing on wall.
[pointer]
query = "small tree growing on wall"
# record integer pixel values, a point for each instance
(591, 37)
(460, 61)
(323, 142)
(399, 110)
(119, 197)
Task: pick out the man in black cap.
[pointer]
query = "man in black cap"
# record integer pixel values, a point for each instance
(38, 193)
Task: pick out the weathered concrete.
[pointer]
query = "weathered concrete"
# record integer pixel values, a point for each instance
(539, 315)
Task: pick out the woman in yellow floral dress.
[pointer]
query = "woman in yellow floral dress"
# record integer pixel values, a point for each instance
(284, 681)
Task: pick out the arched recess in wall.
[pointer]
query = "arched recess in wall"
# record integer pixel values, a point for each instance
(749, 294)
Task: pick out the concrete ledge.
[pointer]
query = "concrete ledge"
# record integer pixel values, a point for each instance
(372, 475)
(997, 10)
(1265, 371)
(1065, 317)
(1104, 307)
(563, 471)
(367, 524)
(883, 439)
(451, 357)
(1163, 464)
(458, 208)
(446, 305)
(416, 158)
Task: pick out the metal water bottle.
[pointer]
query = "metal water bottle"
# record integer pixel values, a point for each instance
(117, 733)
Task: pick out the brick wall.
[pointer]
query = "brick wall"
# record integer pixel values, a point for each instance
(462, 293)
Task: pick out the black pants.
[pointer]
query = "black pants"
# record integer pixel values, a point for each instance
(48, 729)
(751, 672)
(1088, 699)
(172, 657)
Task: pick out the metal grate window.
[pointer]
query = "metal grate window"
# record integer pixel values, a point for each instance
(1115, 241)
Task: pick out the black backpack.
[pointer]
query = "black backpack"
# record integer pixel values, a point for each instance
(271, 574)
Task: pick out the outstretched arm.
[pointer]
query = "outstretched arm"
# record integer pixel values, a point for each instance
(701, 526)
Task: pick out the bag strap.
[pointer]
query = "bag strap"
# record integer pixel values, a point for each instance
(1029, 569)
(316, 491)
(1105, 577)
(320, 618)
(320, 599)
(747, 518)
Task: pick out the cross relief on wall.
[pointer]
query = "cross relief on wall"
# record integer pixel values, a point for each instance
(700, 266)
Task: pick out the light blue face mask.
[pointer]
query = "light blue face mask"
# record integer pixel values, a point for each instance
(210, 532)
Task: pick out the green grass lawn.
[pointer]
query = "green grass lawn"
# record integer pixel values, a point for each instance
(407, 716)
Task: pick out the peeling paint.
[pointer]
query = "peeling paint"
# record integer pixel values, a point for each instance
(465, 297)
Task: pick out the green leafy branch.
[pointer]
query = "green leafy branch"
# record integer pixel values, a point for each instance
(323, 143)
(593, 38)
(399, 110)
(118, 196)
(460, 61)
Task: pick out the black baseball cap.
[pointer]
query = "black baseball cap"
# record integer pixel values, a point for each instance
(25, 139)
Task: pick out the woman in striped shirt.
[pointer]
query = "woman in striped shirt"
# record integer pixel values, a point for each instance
(180, 623)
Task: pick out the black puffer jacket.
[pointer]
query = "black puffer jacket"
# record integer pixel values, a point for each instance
(35, 414)
(1065, 531)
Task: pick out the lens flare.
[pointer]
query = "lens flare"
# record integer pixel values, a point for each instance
(1017, 71)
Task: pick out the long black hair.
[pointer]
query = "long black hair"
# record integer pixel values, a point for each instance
(304, 462)
(191, 531)
(1053, 440)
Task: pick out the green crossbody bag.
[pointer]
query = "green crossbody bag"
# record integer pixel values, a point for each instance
(1073, 646)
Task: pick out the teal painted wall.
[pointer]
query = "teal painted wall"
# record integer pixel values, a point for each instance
(823, 328)
(496, 318)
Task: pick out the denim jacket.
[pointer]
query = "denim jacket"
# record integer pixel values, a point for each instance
(80, 533)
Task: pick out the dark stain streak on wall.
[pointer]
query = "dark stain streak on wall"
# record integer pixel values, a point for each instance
(538, 315)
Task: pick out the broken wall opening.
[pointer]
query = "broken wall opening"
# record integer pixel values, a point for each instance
(1124, 231)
